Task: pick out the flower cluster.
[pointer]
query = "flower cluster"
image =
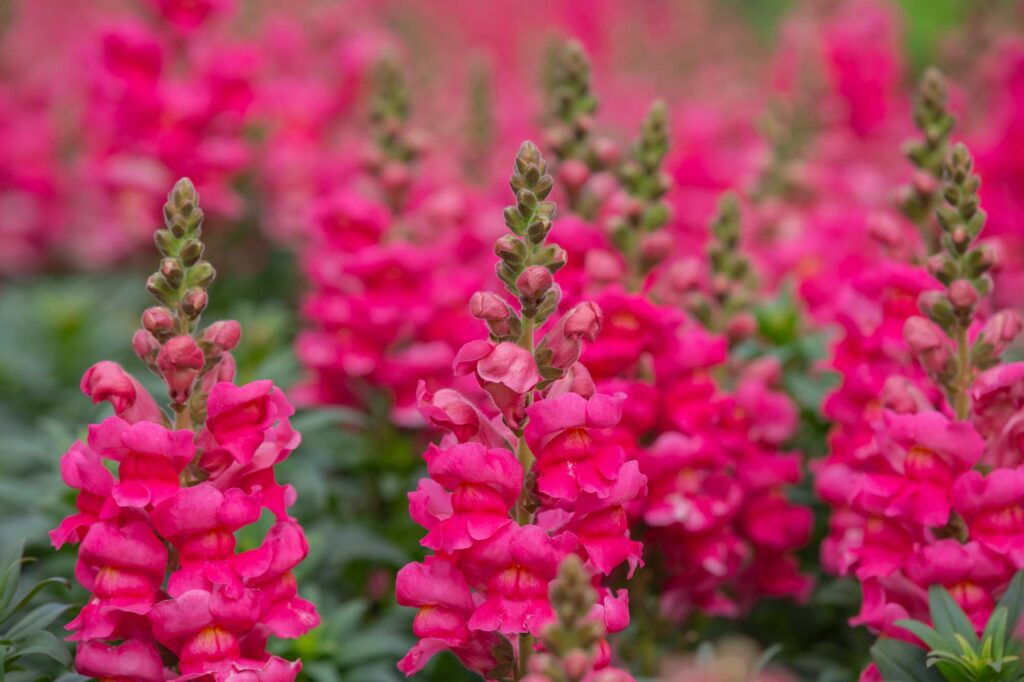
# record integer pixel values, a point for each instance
(923, 487)
(530, 477)
(717, 513)
(157, 546)
(375, 250)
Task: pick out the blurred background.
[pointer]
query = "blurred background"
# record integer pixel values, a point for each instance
(266, 106)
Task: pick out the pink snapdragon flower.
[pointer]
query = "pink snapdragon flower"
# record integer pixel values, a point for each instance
(186, 490)
(524, 478)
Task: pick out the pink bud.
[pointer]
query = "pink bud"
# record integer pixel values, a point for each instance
(157, 319)
(224, 335)
(607, 151)
(1001, 329)
(656, 246)
(195, 300)
(740, 327)
(108, 381)
(558, 256)
(959, 236)
(899, 394)
(885, 230)
(395, 177)
(962, 294)
(928, 342)
(488, 306)
(684, 275)
(925, 183)
(179, 362)
(584, 321)
(573, 173)
(534, 281)
(576, 664)
(602, 266)
(936, 263)
(145, 346)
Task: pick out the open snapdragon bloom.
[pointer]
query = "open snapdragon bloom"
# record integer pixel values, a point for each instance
(156, 541)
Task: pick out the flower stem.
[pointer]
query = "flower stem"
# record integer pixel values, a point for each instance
(525, 649)
(961, 397)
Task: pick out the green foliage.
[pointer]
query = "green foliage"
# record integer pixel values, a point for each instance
(955, 652)
(25, 636)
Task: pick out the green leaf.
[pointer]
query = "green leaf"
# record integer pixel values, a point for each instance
(899, 661)
(42, 643)
(35, 620)
(947, 616)
(929, 636)
(1013, 601)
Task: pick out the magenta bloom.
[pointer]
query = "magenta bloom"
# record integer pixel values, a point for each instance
(506, 371)
(993, 507)
(517, 595)
(569, 458)
(239, 416)
(82, 469)
(483, 482)
(107, 381)
(150, 459)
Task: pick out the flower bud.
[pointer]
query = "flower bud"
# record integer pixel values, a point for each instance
(157, 320)
(488, 306)
(201, 274)
(584, 320)
(573, 174)
(899, 394)
(607, 151)
(884, 230)
(534, 281)
(603, 266)
(928, 342)
(1001, 329)
(576, 664)
(962, 294)
(108, 381)
(223, 335)
(145, 346)
(741, 326)
(656, 246)
(510, 249)
(179, 362)
(925, 183)
(193, 303)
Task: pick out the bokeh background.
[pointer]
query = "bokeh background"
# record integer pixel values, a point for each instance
(266, 106)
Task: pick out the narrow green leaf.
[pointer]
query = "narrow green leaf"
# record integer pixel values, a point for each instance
(1013, 601)
(35, 620)
(947, 616)
(900, 661)
(929, 636)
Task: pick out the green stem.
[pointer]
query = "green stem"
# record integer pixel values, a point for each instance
(525, 649)
(961, 397)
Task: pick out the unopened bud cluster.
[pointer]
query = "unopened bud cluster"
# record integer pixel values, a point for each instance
(932, 118)
(526, 261)
(732, 277)
(397, 147)
(636, 231)
(962, 266)
(570, 135)
(166, 342)
(570, 641)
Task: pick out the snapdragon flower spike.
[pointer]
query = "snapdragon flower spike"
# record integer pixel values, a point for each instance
(942, 342)
(571, 105)
(637, 231)
(156, 540)
(573, 641)
(932, 118)
(520, 484)
(396, 146)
